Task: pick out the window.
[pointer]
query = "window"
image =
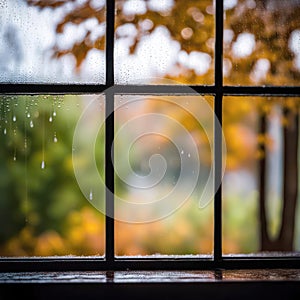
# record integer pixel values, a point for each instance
(105, 97)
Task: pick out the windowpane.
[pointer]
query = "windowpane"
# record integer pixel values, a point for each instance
(43, 210)
(52, 41)
(173, 39)
(164, 179)
(258, 130)
(261, 42)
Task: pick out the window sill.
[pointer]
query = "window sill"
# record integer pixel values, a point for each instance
(221, 284)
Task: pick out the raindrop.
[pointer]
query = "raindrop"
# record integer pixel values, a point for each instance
(54, 114)
(4, 131)
(15, 158)
(91, 195)
(31, 124)
(43, 165)
(189, 155)
(50, 119)
(28, 115)
(14, 118)
(55, 138)
(182, 152)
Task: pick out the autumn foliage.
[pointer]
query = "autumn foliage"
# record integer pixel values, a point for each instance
(191, 24)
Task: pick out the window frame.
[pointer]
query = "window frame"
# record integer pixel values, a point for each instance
(218, 90)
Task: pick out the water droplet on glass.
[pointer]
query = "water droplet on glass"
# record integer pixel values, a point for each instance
(182, 152)
(50, 119)
(4, 131)
(54, 114)
(14, 118)
(91, 195)
(31, 124)
(28, 115)
(43, 165)
(55, 138)
(189, 155)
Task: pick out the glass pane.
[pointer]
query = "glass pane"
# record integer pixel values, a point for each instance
(262, 136)
(164, 179)
(52, 41)
(164, 39)
(261, 42)
(43, 211)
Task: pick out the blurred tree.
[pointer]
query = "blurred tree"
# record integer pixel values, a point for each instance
(35, 216)
(273, 30)
(191, 23)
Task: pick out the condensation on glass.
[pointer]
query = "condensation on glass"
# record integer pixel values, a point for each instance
(43, 211)
(262, 135)
(163, 162)
(261, 42)
(52, 41)
(157, 39)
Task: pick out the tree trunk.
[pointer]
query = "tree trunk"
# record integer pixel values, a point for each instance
(290, 180)
(264, 237)
(285, 240)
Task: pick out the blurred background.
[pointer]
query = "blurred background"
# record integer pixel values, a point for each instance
(43, 211)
